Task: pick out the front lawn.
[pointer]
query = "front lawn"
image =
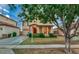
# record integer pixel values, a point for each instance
(55, 40)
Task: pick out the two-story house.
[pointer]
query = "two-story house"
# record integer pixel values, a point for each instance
(7, 26)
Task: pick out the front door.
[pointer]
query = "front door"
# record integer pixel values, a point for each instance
(34, 30)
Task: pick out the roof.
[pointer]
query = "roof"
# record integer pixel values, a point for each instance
(42, 24)
(7, 17)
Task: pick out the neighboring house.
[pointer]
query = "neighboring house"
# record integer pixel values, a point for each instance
(37, 27)
(58, 32)
(7, 26)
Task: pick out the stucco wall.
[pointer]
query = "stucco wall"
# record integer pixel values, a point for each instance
(24, 26)
(37, 25)
(7, 20)
(8, 30)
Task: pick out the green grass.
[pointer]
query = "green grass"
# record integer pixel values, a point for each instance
(43, 41)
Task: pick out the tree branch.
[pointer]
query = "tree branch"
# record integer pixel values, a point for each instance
(56, 23)
(76, 25)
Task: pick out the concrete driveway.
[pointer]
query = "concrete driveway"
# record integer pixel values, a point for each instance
(10, 41)
(14, 40)
(6, 51)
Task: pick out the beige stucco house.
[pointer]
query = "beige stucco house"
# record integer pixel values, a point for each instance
(7, 26)
(37, 27)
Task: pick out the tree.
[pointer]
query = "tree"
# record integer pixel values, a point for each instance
(68, 15)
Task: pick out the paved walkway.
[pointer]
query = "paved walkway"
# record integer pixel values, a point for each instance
(38, 46)
(14, 40)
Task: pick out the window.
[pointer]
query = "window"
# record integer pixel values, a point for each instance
(1, 28)
(55, 32)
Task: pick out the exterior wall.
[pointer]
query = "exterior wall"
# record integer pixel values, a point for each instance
(77, 32)
(8, 30)
(40, 27)
(57, 32)
(25, 28)
(7, 20)
(24, 25)
(60, 32)
(46, 29)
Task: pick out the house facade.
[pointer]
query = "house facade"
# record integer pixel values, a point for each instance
(37, 27)
(7, 26)
(58, 32)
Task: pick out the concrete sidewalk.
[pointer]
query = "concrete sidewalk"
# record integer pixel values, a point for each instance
(6, 51)
(38, 46)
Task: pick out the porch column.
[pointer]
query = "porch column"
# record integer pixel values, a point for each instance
(47, 30)
(38, 30)
(51, 30)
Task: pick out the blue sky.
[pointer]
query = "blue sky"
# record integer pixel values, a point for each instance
(5, 9)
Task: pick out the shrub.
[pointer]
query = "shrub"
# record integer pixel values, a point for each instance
(41, 35)
(38, 35)
(14, 34)
(9, 35)
(29, 34)
(52, 35)
(35, 35)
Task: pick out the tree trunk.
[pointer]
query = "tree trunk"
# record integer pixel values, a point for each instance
(67, 45)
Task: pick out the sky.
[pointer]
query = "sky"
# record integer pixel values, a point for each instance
(5, 10)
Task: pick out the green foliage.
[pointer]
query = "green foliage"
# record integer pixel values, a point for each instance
(53, 13)
(46, 12)
(52, 35)
(29, 34)
(38, 35)
(41, 35)
(35, 35)
(14, 34)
